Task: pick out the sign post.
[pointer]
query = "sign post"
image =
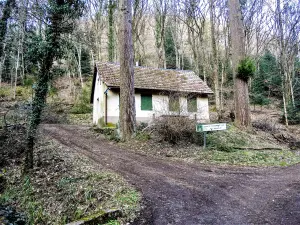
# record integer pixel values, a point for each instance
(209, 127)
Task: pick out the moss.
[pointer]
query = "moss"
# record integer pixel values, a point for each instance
(111, 125)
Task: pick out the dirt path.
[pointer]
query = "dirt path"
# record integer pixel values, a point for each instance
(189, 194)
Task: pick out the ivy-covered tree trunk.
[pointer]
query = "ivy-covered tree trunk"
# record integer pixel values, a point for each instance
(127, 99)
(58, 11)
(237, 34)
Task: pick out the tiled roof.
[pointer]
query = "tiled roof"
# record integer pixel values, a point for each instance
(155, 79)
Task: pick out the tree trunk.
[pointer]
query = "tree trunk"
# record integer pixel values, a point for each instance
(78, 50)
(8, 5)
(237, 34)
(16, 71)
(2, 60)
(111, 42)
(127, 99)
(37, 107)
(215, 57)
(283, 71)
(52, 38)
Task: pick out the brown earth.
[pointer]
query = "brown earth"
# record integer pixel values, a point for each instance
(190, 194)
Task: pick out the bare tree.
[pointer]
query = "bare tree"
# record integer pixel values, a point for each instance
(161, 10)
(127, 99)
(195, 19)
(140, 8)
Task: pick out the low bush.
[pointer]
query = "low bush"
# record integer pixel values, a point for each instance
(4, 92)
(265, 125)
(226, 141)
(174, 129)
(24, 93)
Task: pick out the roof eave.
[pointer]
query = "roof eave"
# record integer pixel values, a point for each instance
(159, 89)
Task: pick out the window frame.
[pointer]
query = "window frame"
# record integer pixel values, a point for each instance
(192, 108)
(174, 106)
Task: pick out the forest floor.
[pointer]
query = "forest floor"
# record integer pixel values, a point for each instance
(62, 187)
(177, 192)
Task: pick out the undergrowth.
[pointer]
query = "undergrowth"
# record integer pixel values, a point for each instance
(233, 139)
(249, 158)
(63, 189)
(82, 104)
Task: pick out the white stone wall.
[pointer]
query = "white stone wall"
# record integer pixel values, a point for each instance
(98, 101)
(160, 104)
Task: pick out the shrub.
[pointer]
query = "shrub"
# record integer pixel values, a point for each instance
(4, 92)
(246, 69)
(226, 141)
(24, 93)
(176, 128)
(265, 125)
(29, 81)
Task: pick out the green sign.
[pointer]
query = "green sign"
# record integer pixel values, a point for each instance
(210, 127)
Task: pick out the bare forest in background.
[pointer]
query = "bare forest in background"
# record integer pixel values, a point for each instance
(188, 34)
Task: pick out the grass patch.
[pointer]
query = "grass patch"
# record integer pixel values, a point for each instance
(24, 93)
(5, 92)
(233, 138)
(22, 195)
(80, 119)
(142, 136)
(249, 158)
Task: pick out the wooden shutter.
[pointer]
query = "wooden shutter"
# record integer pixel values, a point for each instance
(146, 102)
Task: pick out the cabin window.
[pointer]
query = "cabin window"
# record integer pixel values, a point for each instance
(174, 103)
(192, 104)
(146, 102)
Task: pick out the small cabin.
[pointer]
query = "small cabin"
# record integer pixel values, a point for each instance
(158, 92)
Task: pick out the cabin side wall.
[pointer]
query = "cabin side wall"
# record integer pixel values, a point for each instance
(99, 102)
(160, 107)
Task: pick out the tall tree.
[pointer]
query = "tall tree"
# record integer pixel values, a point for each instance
(140, 8)
(61, 14)
(287, 20)
(127, 100)
(6, 13)
(214, 54)
(8, 5)
(161, 9)
(195, 20)
(111, 36)
(237, 34)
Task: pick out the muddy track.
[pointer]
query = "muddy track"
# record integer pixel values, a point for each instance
(181, 193)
